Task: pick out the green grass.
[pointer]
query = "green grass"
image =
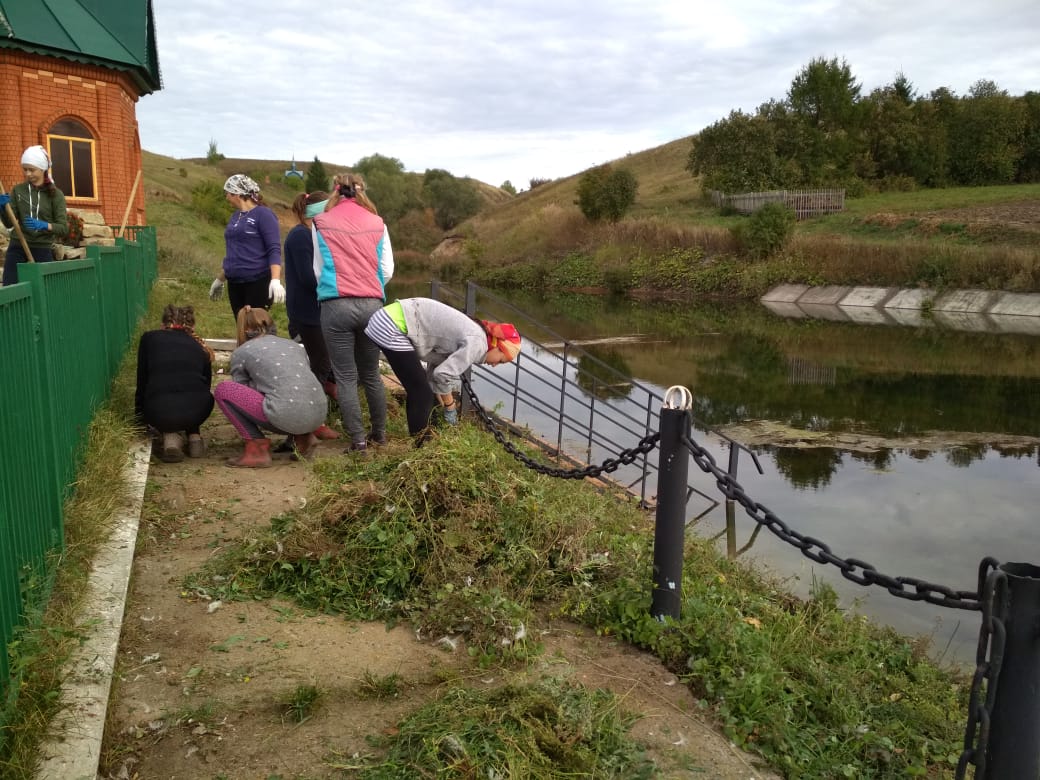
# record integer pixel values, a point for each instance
(457, 539)
(54, 631)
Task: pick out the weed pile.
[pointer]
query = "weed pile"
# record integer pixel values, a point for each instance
(550, 729)
(459, 540)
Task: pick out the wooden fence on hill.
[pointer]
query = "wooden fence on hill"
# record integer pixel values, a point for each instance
(804, 203)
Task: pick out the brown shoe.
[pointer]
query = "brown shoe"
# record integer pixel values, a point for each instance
(325, 433)
(172, 448)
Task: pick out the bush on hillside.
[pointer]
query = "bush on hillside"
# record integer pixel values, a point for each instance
(606, 193)
(208, 201)
(767, 231)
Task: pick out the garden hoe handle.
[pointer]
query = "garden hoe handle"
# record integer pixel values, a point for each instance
(18, 228)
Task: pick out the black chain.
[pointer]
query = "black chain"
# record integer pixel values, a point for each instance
(852, 569)
(988, 659)
(610, 465)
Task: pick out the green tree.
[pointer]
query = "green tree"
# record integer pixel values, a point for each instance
(392, 190)
(825, 97)
(986, 136)
(606, 193)
(736, 154)
(451, 199)
(317, 177)
(1029, 164)
(213, 156)
(893, 133)
(508, 187)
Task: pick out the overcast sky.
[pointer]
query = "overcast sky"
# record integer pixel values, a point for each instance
(517, 89)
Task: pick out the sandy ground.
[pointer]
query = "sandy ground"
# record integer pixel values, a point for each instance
(200, 686)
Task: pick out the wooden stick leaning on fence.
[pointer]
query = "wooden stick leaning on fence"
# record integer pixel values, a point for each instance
(18, 228)
(129, 204)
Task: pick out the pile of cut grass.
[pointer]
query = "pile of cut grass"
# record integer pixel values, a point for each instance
(457, 538)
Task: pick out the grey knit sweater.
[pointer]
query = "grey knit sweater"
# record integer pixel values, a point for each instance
(294, 402)
(444, 337)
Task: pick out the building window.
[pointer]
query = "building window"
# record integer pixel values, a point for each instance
(73, 159)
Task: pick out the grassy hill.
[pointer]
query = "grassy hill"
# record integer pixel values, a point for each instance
(673, 241)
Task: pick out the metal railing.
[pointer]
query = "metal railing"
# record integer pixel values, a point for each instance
(66, 328)
(567, 400)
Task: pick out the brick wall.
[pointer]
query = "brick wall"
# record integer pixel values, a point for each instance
(36, 91)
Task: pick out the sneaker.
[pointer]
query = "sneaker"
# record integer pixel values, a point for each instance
(357, 446)
(196, 446)
(286, 445)
(378, 440)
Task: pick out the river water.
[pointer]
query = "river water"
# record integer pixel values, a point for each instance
(931, 512)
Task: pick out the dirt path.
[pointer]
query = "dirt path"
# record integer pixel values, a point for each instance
(200, 686)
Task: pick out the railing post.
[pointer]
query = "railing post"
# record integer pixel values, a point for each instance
(471, 310)
(1014, 741)
(670, 525)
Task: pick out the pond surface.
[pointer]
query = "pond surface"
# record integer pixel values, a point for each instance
(929, 511)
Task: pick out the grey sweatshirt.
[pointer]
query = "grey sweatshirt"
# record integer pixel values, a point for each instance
(294, 402)
(444, 337)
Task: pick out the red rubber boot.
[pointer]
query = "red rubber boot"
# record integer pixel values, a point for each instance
(256, 455)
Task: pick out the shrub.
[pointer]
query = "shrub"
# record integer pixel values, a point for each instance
(605, 193)
(208, 201)
(767, 231)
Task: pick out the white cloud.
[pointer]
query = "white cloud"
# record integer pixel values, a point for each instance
(515, 90)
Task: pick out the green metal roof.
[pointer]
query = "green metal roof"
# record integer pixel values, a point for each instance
(117, 34)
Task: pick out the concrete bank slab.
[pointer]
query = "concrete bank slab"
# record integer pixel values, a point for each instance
(786, 293)
(910, 299)
(828, 295)
(965, 300)
(73, 748)
(868, 296)
(1016, 304)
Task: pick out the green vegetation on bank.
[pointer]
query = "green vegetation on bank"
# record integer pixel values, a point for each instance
(460, 540)
(55, 630)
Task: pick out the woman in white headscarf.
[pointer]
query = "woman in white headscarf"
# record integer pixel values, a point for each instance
(252, 267)
(39, 208)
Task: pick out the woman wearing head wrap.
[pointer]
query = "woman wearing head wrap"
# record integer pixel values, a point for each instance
(39, 208)
(412, 330)
(353, 261)
(173, 384)
(252, 267)
(272, 389)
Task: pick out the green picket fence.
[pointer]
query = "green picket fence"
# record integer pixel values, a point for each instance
(66, 327)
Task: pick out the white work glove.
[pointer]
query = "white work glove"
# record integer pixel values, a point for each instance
(276, 292)
(216, 290)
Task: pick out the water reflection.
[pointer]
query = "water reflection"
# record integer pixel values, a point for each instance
(599, 370)
(921, 478)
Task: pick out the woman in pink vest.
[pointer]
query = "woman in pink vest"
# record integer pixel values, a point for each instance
(353, 261)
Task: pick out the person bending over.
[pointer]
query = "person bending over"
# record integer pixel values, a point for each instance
(413, 330)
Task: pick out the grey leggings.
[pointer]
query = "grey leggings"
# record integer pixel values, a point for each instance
(355, 359)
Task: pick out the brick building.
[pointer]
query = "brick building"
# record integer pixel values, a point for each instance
(71, 73)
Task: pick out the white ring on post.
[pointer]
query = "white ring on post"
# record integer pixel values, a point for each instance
(685, 398)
